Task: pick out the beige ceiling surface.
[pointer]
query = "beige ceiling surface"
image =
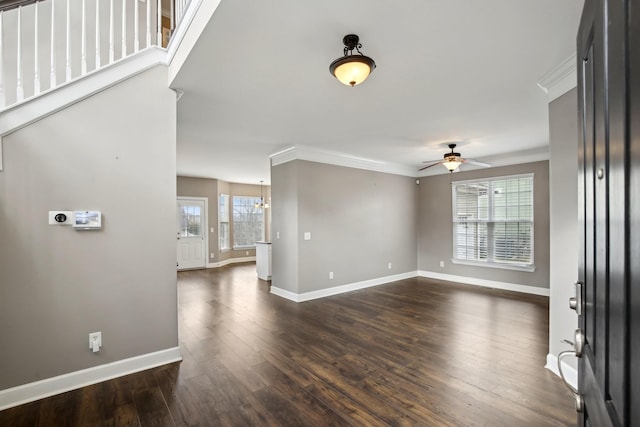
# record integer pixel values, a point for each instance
(258, 81)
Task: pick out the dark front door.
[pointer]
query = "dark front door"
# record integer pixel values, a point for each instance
(609, 183)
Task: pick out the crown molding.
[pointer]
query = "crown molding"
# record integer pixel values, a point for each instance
(560, 79)
(339, 159)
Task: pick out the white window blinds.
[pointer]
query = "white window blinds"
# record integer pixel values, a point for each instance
(493, 220)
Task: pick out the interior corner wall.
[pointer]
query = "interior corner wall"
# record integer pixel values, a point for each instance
(563, 179)
(208, 188)
(113, 152)
(435, 229)
(284, 227)
(359, 222)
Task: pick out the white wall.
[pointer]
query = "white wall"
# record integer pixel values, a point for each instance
(113, 152)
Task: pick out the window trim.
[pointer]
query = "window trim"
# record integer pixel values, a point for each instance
(529, 267)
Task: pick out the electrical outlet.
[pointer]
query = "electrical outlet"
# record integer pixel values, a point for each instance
(331, 275)
(389, 266)
(95, 341)
(246, 252)
(211, 255)
(442, 264)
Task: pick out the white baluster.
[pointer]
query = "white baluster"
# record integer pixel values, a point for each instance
(98, 59)
(19, 90)
(36, 73)
(3, 98)
(159, 39)
(68, 68)
(136, 27)
(148, 23)
(111, 42)
(124, 28)
(83, 41)
(52, 78)
(173, 15)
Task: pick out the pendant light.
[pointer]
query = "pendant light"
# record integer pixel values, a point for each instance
(262, 204)
(352, 69)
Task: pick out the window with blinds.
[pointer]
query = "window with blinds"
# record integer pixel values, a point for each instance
(493, 221)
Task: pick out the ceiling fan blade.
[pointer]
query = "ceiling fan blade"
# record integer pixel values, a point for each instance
(431, 165)
(477, 163)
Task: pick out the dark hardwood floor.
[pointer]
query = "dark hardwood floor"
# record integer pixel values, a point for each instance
(414, 352)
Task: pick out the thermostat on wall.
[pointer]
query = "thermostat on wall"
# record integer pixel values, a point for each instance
(87, 220)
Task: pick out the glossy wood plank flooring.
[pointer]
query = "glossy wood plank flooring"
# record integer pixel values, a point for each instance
(414, 352)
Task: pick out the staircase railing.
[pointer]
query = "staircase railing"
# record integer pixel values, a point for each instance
(47, 44)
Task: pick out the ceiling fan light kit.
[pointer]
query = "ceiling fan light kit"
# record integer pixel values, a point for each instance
(453, 160)
(351, 69)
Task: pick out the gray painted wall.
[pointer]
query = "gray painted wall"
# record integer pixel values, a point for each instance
(113, 152)
(359, 222)
(284, 226)
(563, 177)
(211, 188)
(435, 226)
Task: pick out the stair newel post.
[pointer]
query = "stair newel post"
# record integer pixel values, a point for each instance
(136, 27)
(36, 73)
(124, 28)
(19, 89)
(3, 99)
(148, 23)
(111, 35)
(52, 77)
(159, 39)
(83, 41)
(98, 59)
(68, 67)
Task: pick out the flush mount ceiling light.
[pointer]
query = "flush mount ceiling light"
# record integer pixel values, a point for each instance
(352, 69)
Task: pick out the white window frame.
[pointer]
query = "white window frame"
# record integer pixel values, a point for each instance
(491, 262)
(223, 218)
(254, 200)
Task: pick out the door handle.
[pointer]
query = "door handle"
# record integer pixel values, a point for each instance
(575, 303)
(578, 348)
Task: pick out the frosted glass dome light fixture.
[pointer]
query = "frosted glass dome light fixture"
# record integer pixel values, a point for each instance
(352, 69)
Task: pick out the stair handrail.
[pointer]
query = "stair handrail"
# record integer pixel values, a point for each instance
(97, 33)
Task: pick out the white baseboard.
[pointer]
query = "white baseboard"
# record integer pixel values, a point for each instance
(230, 261)
(307, 296)
(51, 386)
(570, 373)
(485, 283)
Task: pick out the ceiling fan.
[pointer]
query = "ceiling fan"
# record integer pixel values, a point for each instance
(452, 160)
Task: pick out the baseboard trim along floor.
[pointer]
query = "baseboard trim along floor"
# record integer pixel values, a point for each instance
(51, 386)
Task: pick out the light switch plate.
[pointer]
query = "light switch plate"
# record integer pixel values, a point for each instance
(307, 235)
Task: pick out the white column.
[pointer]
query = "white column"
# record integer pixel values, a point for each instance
(83, 41)
(36, 65)
(68, 68)
(124, 28)
(19, 89)
(52, 77)
(111, 41)
(98, 59)
(136, 26)
(3, 98)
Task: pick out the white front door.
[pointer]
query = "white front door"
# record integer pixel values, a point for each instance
(192, 227)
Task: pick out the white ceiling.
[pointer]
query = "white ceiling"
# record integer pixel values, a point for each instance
(258, 81)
